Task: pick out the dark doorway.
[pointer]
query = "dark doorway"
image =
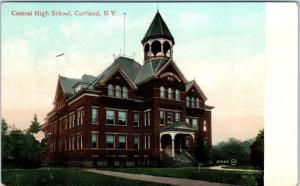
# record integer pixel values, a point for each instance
(110, 161)
(122, 162)
(94, 161)
(166, 141)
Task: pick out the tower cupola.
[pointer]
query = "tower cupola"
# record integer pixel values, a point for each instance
(158, 41)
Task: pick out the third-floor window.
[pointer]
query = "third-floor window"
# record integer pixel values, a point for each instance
(162, 92)
(170, 93)
(192, 102)
(117, 91)
(94, 115)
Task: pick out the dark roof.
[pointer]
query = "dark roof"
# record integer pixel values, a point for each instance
(88, 78)
(149, 69)
(189, 84)
(179, 126)
(158, 28)
(67, 84)
(130, 67)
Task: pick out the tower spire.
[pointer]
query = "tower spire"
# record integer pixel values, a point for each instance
(158, 41)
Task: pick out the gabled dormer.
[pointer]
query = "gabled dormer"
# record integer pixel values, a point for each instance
(194, 98)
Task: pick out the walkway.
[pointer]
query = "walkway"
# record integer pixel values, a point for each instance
(229, 169)
(157, 179)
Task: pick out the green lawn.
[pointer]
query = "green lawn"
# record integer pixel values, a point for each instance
(220, 176)
(68, 177)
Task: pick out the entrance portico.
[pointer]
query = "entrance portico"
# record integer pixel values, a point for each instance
(171, 132)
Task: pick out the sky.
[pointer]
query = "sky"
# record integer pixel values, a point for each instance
(220, 45)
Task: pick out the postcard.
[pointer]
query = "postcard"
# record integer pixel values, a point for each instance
(148, 93)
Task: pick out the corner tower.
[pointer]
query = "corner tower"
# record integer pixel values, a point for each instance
(158, 41)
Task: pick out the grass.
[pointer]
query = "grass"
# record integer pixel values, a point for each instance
(220, 176)
(51, 177)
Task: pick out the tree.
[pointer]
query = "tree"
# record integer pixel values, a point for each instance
(35, 126)
(233, 149)
(4, 127)
(19, 148)
(4, 139)
(257, 150)
(201, 150)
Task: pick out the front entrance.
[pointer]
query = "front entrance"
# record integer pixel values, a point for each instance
(174, 143)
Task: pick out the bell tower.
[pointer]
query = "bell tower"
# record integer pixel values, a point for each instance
(158, 41)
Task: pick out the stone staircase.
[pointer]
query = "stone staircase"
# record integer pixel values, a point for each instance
(184, 159)
(180, 159)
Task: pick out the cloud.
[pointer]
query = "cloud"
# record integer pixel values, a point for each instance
(189, 19)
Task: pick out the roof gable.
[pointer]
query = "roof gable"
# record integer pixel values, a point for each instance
(129, 67)
(178, 73)
(193, 83)
(123, 74)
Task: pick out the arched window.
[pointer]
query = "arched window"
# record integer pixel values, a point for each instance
(177, 94)
(147, 48)
(166, 47)
(170, 96)
(193, 102)
(118, 91)
(156, 47)
(162, 92)
(197, 103)
(124, 92)
(110, 90)
(187, 100)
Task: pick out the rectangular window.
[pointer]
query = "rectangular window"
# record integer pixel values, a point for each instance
(122, 142)
(170, 117)
(136, 142)
(70, 143)
(110, 141)
(80, 117)
(66, 144)
(177, 117)
(78, 142)
(81, 143)
(73, 142)
(71, 120)
(205, 125)
(170, 93)
(177, 95)
(136, 119)
(187, 120)
(162, 117)
(124, 92)
(147, 118)
(195, 123)
(94, 115)
(147, 142)
(122, 118)
(110, 117)
(94, 140)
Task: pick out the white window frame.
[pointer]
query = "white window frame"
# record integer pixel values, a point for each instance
(97, 142)
(97, 114)
(113, 141)
(138, 118)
